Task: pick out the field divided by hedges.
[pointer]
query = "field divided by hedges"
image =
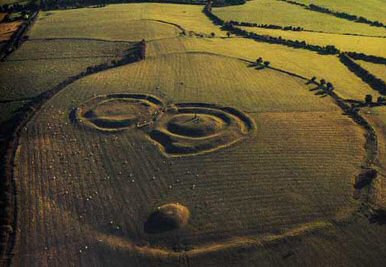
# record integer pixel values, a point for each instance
(102, 184)
(360, 44)
(302, 62)
(84, 195)
(284, 14)
(132, 22)
(379, 70)
(371, 9)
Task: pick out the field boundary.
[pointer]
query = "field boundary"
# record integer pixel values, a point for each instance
(251, 241)
(338, 14)
(326, 50)
(18, 37)
(32, 108)
(373, 81)
(234, 243)
(8, 222)
(295, 29)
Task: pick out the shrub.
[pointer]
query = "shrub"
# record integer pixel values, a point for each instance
(369, 99)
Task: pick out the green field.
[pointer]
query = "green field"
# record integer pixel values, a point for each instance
(284, 14)
(257, 178)
(367, 45)
(378, 70)
(370, 9)
(265, 162)
(119, 22)
(303, 62)
(40, 65)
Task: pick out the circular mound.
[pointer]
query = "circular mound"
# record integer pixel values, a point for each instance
(167, 217)
(118, 112)
(195, 125)
(196, 128)
(178, 129)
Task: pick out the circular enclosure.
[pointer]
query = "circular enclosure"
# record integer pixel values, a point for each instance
(196, 128)
(118, 112)
(195, 125)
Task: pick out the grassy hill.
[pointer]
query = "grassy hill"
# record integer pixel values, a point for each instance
(266, 162)
(122, 22)
(216, 198)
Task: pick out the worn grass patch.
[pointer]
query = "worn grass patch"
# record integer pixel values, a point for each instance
(7, 29)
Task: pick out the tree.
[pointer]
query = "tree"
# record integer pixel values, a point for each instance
(381, 100)
(266, 63)
(142, 49)
(259, 61)
(369, 99)
(330, 87)
(212, 34)
(6, 18)
(313, 79)
(228, 34)
(322, 82)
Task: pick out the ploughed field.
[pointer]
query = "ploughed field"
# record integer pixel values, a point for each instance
(193, 156)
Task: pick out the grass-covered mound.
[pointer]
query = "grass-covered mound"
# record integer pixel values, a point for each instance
(178, 129)
(196, 128)
(195, 125)
(167, 217)
(118, 112)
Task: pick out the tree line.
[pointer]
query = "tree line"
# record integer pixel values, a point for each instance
(137, 53)
(266, 26)
(64, 4)
(374, 82)
(342, 15)
(17, 37)
(368, 58)
(227, 26)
